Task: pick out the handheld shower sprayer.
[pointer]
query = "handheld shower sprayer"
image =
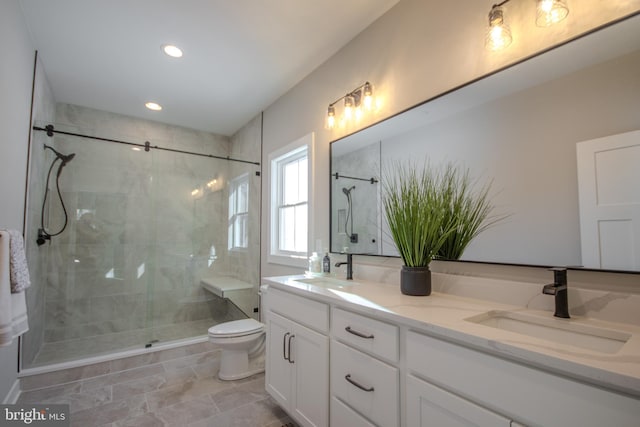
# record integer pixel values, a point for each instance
(353, 237)
(65, 158)
(347, 192)
(43, 234)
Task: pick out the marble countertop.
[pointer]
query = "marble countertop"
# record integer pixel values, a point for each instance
(443, 315)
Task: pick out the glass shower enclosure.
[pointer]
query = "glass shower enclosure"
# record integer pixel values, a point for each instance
(119, 247)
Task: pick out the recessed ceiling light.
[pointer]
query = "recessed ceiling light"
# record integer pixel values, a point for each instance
(172, 51)
(153, 106)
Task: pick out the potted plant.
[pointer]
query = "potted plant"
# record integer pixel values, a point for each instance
(468, 213)
(432, 213)
(415, 210)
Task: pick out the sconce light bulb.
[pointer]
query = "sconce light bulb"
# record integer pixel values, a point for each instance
(550, 12)
(331, 117)
(499, 34)
(358, 113)
(368, 96)
(348, 107)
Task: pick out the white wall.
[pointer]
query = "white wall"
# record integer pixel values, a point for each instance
(415, 51)
(16, 74)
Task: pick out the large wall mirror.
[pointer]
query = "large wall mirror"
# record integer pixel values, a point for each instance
(558, 136)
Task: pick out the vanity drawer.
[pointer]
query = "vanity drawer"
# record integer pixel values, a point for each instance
(369, 386)
(342, 415)
(516, 390)
(310, 313)
(373, 336)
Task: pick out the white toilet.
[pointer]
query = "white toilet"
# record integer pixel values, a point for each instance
(239, 341)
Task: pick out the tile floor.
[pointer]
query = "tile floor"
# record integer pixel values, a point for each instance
(178, 392)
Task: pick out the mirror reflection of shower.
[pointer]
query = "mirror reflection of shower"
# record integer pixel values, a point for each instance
(353, 237)
(43, 233)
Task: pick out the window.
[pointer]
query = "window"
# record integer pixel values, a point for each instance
(238, 236)
(290, 203)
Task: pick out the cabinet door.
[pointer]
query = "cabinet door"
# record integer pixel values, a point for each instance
(310, 357)
(278, 369)
(342, 415)
(428, 405)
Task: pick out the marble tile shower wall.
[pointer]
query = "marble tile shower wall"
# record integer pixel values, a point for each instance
(362, 163)
(43, 110)
(140, 236)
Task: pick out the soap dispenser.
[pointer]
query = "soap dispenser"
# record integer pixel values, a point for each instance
(326, 263)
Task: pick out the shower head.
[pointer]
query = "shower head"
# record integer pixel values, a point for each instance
(68, 157)
(65, 158)
(346, 191)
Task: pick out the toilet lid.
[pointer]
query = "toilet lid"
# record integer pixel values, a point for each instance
(236, 328)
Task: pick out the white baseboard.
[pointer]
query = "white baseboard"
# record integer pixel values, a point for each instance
(14, 393)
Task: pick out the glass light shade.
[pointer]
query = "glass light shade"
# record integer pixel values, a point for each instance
(499, 34)
(358, 113)
(549, 12)
(367, 92)
(348, 106)
(331, 117)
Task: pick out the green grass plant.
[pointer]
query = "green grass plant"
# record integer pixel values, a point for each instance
(469, 213)
(434, 212)
(415, 211)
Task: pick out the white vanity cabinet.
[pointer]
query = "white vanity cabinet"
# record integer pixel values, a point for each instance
(297, 356)
(333, 362)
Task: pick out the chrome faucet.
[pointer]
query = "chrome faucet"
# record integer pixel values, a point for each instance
(349, 266)
(559, 289)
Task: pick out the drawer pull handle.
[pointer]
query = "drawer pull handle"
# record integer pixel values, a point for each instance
(290, 359)
(361, 387)
(358, 334)
(284, 346)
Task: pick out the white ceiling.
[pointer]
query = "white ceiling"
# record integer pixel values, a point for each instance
(239, 55)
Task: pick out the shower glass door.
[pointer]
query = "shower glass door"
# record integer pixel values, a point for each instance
(94, 276)
(143, 228)
(189, 228)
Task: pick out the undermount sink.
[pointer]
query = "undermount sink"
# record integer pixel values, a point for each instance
(557, 330)
(328, 282)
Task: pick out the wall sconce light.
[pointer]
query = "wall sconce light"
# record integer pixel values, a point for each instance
(548, 12)
(362, 96)
(498, 36)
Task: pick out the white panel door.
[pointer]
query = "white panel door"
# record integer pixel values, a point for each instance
(609, 190)
(431, 406)
(310, 359)
(278, 368)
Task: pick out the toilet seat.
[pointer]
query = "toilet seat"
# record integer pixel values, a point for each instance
(236, 328)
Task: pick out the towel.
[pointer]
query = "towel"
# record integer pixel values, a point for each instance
(18, 263)
(13, 306)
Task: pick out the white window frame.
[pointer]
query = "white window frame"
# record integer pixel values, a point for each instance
(276, 159)
(235, 214)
